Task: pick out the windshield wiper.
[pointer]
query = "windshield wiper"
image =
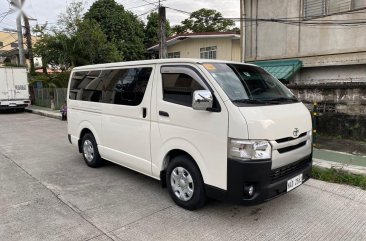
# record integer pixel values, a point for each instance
(282, 99)
(254, 101)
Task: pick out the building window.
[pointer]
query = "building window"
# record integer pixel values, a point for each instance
(1, 44)
(174, 55)
(14, 45)
(319, 8)
(208, 53)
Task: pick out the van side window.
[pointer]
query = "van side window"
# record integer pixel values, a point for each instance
(86, 86)
(126, 86)
(179, 88)
(113, 86)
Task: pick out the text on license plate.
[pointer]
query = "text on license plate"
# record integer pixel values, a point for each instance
(294, 182)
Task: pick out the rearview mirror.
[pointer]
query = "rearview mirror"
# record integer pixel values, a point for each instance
(202, 100)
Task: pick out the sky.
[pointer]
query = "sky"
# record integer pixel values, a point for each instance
(48, 10)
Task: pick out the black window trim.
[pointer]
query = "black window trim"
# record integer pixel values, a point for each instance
(217, 105)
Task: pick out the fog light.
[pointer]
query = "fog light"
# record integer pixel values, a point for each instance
(249, 190)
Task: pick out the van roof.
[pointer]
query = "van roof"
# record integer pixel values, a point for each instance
(153, 61)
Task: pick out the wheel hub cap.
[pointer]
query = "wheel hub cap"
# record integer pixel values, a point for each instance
(88, 150)
(182, 183)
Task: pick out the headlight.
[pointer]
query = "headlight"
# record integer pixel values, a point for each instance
(249, 149)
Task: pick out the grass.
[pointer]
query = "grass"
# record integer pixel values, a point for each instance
(339, 176)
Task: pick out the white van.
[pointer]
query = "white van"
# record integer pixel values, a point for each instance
(204, 128)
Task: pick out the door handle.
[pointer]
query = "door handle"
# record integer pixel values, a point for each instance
(144, 112)
(163, 113)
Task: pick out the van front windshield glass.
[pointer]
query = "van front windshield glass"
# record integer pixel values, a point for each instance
(249, 84)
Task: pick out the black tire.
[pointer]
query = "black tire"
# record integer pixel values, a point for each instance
(96, 160)
(198, 199)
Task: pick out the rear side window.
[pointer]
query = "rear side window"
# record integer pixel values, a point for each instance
(178, 88)
(113, 86)
(86, 86)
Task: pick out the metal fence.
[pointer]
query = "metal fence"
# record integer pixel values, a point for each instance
(44, 96)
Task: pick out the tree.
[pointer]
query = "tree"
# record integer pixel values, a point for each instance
(204, 20)
(152, 29)
(68, 21)
(74, 42)
(91, 45)
(121, 27)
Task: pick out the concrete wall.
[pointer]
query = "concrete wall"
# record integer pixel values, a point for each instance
(265, 41)
(347, 99)
(227, 48)
(331, 74)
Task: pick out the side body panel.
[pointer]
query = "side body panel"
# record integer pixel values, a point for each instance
(126, 132)
(202, 134)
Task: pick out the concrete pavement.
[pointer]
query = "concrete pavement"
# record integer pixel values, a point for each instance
(48, 193)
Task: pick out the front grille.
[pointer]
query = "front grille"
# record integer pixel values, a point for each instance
(291, 168)
(290, 148)
(282, 140)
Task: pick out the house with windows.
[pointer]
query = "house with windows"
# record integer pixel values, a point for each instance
(9, 52)
(317, 48)
(312, 36)
(213, 45)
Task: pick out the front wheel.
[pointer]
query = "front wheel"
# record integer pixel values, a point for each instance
(185, 183)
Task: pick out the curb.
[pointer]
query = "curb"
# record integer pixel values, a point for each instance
(358, 170)
(43, 113)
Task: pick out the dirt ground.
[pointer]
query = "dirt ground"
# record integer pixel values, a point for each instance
(342, 145)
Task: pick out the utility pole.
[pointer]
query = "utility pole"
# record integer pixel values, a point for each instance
(20, 38)
(18, 4)
(162, 32)
(28, 37)
(242, 30)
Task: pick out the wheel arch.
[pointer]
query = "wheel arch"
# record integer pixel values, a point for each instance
(86, 127)
(172, 153)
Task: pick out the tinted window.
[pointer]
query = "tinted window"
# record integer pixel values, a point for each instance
(126, 86)
(245, 82)
(179, 88)
(86, 86)
(115, 86)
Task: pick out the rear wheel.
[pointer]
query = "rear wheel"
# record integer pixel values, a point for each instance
(185, 183)
(90, 151)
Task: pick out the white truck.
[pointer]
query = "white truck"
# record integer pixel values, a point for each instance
(14, 92)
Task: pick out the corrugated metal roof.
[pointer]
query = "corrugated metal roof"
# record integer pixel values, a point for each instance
(283, 70)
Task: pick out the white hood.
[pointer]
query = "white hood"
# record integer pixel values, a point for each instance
(276, 121)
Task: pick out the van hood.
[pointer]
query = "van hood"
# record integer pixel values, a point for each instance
(276, 121)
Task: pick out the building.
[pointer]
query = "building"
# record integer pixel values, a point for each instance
(9, 52)
(312, 46)
(214, 45)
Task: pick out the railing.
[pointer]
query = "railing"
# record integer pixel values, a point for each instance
(46, 97)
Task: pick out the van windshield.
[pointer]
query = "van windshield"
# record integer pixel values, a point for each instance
(249, 84)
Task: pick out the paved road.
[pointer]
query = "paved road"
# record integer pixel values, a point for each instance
(47, 193)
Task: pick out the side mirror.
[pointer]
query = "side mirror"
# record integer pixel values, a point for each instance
(202, 100)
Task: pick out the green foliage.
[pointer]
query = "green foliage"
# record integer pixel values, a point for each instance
(57, 80)
(152, 29)
(75, 42)
(121, 27)
(204, 20)
(339, 176)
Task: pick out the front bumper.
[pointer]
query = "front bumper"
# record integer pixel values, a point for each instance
(268, 183)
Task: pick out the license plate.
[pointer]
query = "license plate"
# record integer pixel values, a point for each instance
(294, 182)
(12, 104)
